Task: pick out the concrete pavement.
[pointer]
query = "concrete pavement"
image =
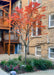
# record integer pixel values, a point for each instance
(48, 72)
(2, 72)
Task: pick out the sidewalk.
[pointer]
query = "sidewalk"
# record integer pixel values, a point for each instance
(2, 72)
(48, 72)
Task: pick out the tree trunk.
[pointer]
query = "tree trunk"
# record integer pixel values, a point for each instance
(25, 53)
(28, 46)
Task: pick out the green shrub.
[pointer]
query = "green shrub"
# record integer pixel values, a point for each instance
(32, 64)
(3, 62)
(20, 58)
(48, 64)
(28, 61)
(41, 64)
(13, 62)
(28, 68)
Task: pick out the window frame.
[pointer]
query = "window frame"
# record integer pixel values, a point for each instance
(37, 1)
(36, 51)
(49, 53)
(50, 20)
(36, 32)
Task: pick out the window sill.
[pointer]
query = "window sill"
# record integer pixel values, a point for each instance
(38, 55)
(36, 36)
(51, 58)
(51, 27)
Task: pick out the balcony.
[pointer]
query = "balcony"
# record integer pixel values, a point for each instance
(13, 38)
(3, 22)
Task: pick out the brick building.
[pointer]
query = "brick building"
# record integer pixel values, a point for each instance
(43, 45)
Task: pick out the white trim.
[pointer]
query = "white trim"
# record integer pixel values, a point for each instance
(36, 32)
(49, 53)
(32, 0)
(36, 51)
(50, 20)
(36, 0)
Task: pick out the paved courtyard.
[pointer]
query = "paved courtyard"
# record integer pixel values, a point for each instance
(48, 72)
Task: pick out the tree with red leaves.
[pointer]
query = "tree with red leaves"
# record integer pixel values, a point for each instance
(24, 21)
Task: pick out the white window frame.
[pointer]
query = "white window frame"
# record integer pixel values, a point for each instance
(36, 32)
(36, 51)
(19, 3)
(49, 53)
(32, 0)
(36, 1)
(50, 20)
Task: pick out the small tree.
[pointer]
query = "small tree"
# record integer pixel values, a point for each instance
(24, 21)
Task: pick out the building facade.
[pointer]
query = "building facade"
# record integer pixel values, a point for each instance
(9, 41)
(43, 45)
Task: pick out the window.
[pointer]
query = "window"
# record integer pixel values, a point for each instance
(51, 20)
(1, 13)
(38, 51)
(36, 30)
(51, 52)
(39, 1)
(19, 4)
(33, 0)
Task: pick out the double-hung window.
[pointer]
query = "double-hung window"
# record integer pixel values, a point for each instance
(51, 52)
(19, 4)
(36, 30)
(51, 20)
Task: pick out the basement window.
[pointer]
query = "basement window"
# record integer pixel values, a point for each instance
(51, 52)
(38, 51)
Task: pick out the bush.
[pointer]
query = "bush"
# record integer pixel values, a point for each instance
(32, 64)
(28, 68)
(3, 62)
(20, 58)
(28, 60)
(6, 68)
(41, 64)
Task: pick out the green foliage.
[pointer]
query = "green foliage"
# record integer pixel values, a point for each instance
(11, 62)
(28, 68)
(20, 58)
(32, 64)
(41, 64)
(28, 60)
(3, 62)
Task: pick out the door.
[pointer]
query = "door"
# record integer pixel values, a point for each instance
(18, 48)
